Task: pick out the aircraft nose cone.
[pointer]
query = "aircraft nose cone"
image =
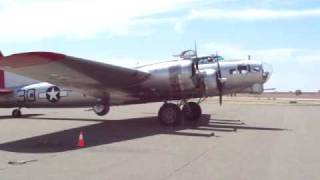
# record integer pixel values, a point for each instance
(266, 71)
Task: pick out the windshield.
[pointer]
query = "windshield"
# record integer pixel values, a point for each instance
(209, 59)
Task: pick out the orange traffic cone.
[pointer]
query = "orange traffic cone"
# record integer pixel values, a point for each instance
(81, 140)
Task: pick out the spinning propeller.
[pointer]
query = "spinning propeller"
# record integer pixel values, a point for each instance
(196, 60)
(219, 80)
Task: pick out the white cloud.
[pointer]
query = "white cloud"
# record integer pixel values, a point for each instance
(81, 19)
(252, 14)
(293, 68)
(178, 27)
(30, 20)
(310, 57)
(271, 55)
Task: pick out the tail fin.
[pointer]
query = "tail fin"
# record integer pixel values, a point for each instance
(2, 83)
(2, 80)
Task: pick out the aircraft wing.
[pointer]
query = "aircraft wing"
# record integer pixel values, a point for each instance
(81, 74)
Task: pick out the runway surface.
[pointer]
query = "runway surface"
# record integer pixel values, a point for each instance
(235, 141)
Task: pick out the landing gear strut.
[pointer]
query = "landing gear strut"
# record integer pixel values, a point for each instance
(16, 113)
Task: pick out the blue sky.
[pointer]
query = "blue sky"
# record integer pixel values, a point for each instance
(283, 33)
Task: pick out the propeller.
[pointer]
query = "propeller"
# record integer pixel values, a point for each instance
(220, 84)
(196, 54)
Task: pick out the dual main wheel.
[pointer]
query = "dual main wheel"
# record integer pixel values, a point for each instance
(191, 111)
(171, 115)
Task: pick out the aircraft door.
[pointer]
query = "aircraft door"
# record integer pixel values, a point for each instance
(31, 95)
(21, 96)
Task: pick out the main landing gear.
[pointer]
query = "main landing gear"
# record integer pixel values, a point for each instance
(16, 113)
(191, 111)
(171, 115)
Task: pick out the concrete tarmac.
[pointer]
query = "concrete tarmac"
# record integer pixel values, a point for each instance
(235, 141)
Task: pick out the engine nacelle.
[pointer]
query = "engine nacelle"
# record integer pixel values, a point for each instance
(173, 76)
(210, 81)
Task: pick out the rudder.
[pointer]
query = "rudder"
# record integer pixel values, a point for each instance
(2, 79)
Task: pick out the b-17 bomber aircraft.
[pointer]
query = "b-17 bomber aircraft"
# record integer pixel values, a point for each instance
(52, 80)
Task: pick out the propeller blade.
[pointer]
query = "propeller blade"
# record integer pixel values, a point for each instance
(219, 86)
(196, 54)
(195, 49)
(218, 79)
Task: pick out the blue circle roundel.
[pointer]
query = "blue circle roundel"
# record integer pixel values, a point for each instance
(53, 94)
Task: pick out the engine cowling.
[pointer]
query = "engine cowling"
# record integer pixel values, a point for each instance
(210, 81)
(174, 76)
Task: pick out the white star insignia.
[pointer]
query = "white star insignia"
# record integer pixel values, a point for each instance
(53, 94)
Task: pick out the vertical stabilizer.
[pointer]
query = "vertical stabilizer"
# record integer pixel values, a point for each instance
(2, 83)
(2, 80)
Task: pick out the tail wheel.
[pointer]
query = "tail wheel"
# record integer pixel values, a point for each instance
(16, 113)
(101, 109)
(170, 115)
(191, 111)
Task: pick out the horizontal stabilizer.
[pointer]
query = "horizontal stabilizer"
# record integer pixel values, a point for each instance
(269, 89)
(5, 91)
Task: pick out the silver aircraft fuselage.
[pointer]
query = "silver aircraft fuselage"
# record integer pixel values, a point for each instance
(171, 80)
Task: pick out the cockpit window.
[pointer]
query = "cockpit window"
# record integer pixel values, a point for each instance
(209, 59)
(233, 71)
(256, 69)
(242, 67)
(205, 60)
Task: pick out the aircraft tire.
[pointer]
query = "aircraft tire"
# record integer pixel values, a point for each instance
(170, 115)
(191, 111)
(101, 109)
(16, 113)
